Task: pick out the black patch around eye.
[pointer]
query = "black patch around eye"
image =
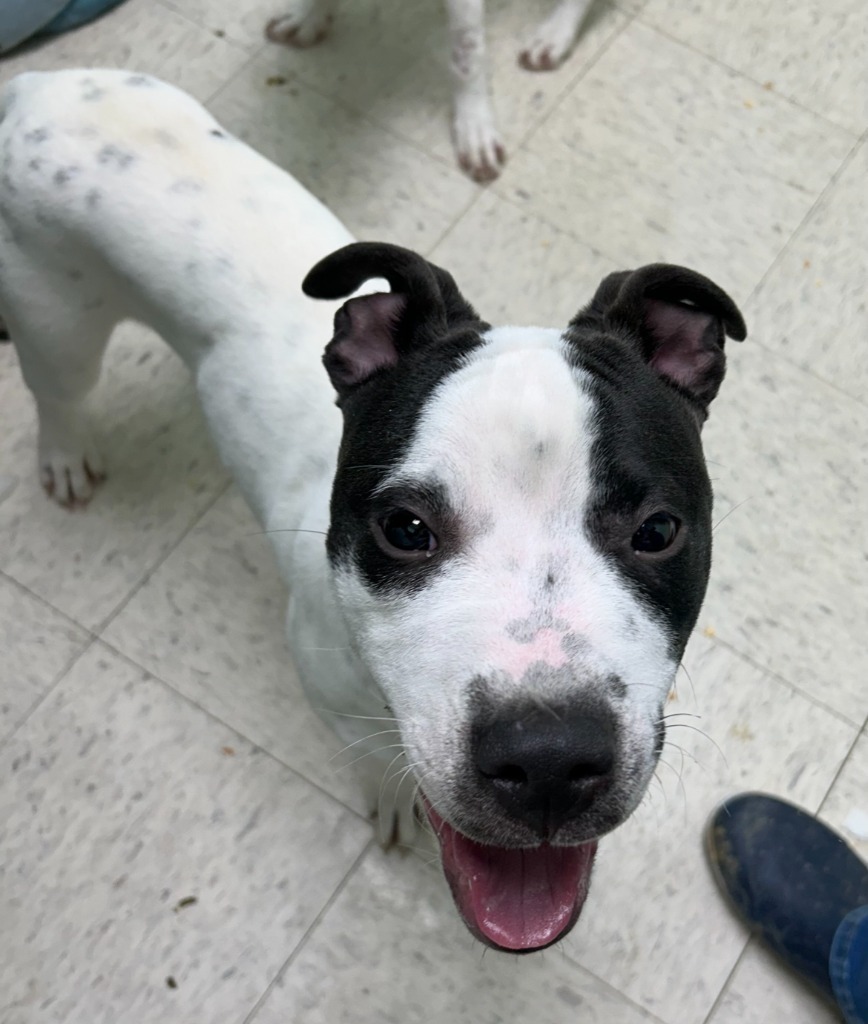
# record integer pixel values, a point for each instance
(656, 534)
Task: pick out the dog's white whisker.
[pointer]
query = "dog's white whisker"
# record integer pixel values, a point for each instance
(704, 734)
(368, 753)
(364, 739)
(734, 508)
(362, 718)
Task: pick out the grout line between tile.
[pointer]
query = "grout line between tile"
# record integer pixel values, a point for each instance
(177, 9)
(836, 176)
(652, 1017)
(580, 74)
(717, 640)
(99, 629)
(853, 133)
(862, 732)
(339, 888)
(226, 725)
(715, 1006)
(43, 697)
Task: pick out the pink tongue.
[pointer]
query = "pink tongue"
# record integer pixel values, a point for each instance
(515, 899)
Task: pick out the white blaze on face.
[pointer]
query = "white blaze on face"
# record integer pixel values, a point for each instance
(509, 439)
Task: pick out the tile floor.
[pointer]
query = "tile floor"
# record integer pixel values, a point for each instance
(153, 741)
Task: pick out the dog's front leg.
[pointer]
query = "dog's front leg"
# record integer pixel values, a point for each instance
(474, 133)
(306, 23)
(554, 38)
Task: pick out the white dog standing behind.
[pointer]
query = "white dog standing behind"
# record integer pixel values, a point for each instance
(477, 141)
(519, 518)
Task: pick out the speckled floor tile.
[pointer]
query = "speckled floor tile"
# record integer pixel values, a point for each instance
(36, 644)
(789, 583)
(660, 154)
(210, 622)
(381, 187)
(654, 151)
(516, 268)
(846, 806)
(654, 926)
(392, 949)
(812, 307)
(143, 35)
(762, 991)
(815, 52)
(162, 473)
(368, 45)
(153, 866)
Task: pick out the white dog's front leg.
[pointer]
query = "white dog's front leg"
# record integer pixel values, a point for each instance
(306, 23)
(554, 38)
(477, 142)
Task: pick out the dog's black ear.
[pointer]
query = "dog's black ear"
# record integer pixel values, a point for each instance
(373, 331)
(681, 320)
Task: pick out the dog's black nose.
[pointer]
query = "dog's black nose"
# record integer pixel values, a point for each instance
(545, 768)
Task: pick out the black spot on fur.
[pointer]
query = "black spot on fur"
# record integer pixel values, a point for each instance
(114, 156)
(187, 187)
(217, 133)
(166, 139)
(65, 175)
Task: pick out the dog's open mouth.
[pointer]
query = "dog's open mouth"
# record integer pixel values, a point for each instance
(514, 899)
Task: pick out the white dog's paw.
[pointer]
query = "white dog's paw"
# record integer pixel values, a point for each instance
(306, 24)
(478, 147)
(69, 473)
(554, 38)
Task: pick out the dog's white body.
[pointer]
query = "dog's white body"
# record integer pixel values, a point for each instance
(519, 519)
(238, 243)
(477, 141)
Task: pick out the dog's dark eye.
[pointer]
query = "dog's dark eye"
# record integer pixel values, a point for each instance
(405, 531)
(656, 533)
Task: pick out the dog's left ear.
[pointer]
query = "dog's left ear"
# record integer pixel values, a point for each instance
(372, 332)
(681, 320)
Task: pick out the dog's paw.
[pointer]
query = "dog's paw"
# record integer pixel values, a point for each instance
(552, 41)
(305, 25)
(480, 152)
(69, 476)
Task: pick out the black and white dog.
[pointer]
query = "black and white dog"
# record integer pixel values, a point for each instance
(518, 517)
(477, 142)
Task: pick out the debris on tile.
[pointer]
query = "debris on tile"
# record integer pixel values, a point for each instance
(219, 33)
(275, 80)
(806, 264)
(187, 901)
(741, 732)
(709, 631)
(749, 104)
(228, 751)
(171, 983)
(769, 86)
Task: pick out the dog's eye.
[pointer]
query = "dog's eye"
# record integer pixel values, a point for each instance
(656, 534)
(405, 531)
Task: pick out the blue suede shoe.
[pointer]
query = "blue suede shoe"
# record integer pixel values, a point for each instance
(794, 882)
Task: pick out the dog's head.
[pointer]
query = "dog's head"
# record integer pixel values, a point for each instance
(520, 541)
